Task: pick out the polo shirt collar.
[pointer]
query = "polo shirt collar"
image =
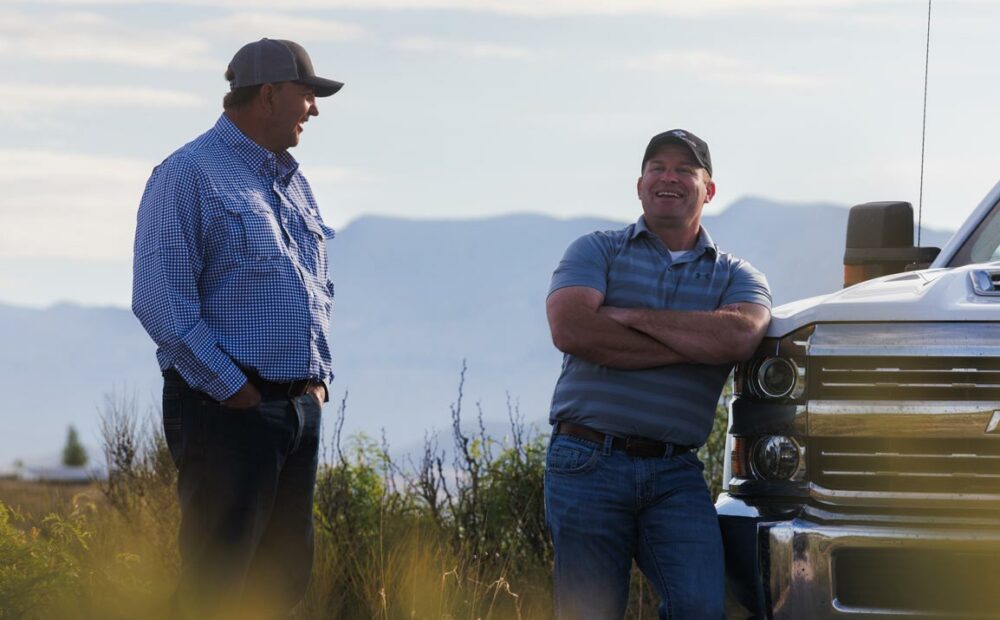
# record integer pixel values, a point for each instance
(702, 245)
(705, 243)
(267, 165)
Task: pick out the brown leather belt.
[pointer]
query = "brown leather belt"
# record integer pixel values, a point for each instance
(632, 446)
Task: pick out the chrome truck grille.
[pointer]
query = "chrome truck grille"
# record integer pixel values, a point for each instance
(904, 415)
(904, 378)
(907, 465)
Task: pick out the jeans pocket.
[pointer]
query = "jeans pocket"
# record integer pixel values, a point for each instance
(690, 459)
(569, 456)
(172, 420)
(273, 422)
(301, 407)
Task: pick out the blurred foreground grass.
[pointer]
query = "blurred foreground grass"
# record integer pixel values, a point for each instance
(437, 536)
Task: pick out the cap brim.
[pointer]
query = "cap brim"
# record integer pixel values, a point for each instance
(322, 86)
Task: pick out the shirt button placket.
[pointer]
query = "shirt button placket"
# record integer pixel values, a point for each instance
(282, 213)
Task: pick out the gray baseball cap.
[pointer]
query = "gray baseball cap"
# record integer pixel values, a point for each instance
(275, 60)
(698, 147)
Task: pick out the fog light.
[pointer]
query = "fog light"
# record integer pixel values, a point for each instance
(775, 457)
(776, 377)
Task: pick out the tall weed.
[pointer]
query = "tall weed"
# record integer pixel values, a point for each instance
(452, 534)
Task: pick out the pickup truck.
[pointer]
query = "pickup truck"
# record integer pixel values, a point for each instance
(863, 478)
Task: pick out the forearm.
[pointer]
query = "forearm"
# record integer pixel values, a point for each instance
(709, 337)
(603, 341)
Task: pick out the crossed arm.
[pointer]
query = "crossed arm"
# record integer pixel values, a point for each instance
(638, 338)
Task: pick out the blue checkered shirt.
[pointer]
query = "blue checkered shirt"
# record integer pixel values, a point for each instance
(230, 265)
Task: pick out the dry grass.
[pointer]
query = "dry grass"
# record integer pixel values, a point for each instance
(430, 539)
(36, 500)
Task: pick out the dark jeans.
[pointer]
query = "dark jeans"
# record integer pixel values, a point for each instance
(245, 483)
(605, 508)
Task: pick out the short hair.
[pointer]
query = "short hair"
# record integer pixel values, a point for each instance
(240, 97)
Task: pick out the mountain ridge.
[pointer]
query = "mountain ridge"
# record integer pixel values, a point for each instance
(414, 299)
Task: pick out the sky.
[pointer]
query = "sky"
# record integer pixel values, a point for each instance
(462, 109)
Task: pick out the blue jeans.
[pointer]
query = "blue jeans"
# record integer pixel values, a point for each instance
(245, 483)
(605, 508)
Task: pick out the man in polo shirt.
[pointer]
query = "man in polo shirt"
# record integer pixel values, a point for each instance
(230, 281)
(651, 319)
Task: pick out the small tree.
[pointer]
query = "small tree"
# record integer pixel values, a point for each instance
(74, 454)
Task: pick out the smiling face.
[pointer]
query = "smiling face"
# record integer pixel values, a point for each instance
(673, 189)
(291, 105)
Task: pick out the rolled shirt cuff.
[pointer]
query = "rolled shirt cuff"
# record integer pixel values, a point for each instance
(204, 366)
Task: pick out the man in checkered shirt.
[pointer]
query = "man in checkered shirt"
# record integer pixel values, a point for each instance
(230, 281)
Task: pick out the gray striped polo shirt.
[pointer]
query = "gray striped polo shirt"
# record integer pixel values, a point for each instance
(633, 269)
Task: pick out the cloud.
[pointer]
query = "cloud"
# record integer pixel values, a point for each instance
(24, 97)
(83, 206)
(527, 8)
(89, 37)
(714, 67)
(464, 48)
(248, 26)
(68, 205)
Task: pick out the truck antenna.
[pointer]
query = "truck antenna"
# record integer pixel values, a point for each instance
(923, 131)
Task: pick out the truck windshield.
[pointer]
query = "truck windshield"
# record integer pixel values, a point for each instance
(983, 245)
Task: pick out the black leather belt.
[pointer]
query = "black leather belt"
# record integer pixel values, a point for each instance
(269, 390)
(632, 446)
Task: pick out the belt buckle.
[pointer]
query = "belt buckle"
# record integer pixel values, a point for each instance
(643, 445)
(629, 445)
(298, 388)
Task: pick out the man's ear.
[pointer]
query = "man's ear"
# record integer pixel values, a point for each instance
(266, 97)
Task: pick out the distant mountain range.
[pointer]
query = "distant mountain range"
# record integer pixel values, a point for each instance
(414, 298)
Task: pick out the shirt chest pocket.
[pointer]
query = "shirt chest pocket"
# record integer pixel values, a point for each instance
(315, 228)
(312, 246)
(255, 234)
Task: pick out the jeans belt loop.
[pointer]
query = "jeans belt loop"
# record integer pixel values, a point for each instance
(608, 441)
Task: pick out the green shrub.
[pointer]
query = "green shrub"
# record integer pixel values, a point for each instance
(459, 535)
(40, 567)
(713, 453)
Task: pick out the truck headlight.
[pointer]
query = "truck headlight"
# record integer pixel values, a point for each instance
(776, 377)
(767, 440)
(775, 457)
(777, 371)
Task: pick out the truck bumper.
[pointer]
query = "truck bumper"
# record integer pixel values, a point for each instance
(796, 568)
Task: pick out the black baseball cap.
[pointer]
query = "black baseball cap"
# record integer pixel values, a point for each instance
(698, 147)
(276, 60)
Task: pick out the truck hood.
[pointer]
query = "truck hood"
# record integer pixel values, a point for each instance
(928, 295)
